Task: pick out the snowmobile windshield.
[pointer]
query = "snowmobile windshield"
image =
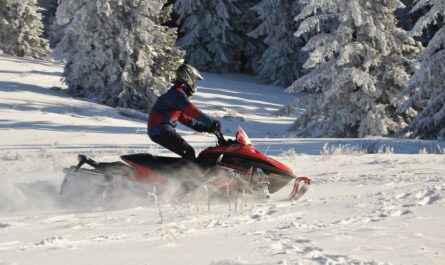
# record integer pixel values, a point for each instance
(242, 138)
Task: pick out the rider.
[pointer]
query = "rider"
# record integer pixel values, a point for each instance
(175, 106)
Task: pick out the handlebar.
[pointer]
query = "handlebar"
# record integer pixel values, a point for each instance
(221, 140)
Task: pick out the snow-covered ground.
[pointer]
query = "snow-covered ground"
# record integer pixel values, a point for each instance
(372, 201)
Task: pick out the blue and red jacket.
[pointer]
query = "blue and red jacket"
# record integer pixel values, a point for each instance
(174, 106)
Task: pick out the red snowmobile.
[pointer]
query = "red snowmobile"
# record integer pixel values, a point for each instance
(229, 167)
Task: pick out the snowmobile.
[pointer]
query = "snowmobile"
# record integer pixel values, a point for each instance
(232, 166)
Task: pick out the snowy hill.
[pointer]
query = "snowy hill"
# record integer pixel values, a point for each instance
(372, 201)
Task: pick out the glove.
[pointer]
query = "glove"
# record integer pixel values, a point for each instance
(200, 128)
(215, 127)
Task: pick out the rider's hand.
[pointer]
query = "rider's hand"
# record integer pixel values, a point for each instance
(215, 127)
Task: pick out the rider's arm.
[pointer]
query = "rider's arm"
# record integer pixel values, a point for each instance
(190, 110)
(192, 123)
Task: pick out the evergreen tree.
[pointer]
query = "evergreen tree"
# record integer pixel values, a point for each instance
(49, 8)
(252, 48)
(283, 59)
(357, 70)
(213, 33)
(21, 29)
(118, 51)
(424, 96)
(409, 15)
(404, 15)
(52, 31)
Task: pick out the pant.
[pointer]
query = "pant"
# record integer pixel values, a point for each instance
(175, 143)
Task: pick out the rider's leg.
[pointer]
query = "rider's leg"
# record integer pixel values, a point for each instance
(175, 143)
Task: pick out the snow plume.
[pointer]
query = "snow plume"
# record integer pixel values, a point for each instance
(30, 196)
(118, 51)
(358, 69)
(30, 180)
(84, 189)
(37, 183)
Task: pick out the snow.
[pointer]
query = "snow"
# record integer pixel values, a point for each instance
(371, 201)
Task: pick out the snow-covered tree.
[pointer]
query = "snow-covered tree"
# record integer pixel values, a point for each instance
(406, 18)
(282, 61)
(211, 35)
(118, 51)
(250, 49)
(21, 29)
(357, 70)
(49, 8)
(409, 15)
(52, 31)
(424, 96)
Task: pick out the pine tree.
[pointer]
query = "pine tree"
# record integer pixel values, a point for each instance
(405, 16)
(409, 15)
(283, 59)
(21, 29)
(49, 8)
(52, 31)
(213, 32)
(118, 51)
(250, 49)
(357, 69)
(424, 96)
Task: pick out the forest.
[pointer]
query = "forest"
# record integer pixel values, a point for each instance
(368, 68)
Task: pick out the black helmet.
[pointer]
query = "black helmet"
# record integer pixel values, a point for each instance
(187, 74)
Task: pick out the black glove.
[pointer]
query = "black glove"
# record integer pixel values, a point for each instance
(215, 127)
(200, 128)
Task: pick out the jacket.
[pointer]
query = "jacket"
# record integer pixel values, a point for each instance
(174, 106)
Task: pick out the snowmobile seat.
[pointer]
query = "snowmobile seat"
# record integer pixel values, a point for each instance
(157, 162)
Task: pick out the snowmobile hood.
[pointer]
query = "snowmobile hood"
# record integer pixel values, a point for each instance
(251, 152)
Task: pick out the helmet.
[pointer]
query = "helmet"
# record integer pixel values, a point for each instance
(187, 74)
